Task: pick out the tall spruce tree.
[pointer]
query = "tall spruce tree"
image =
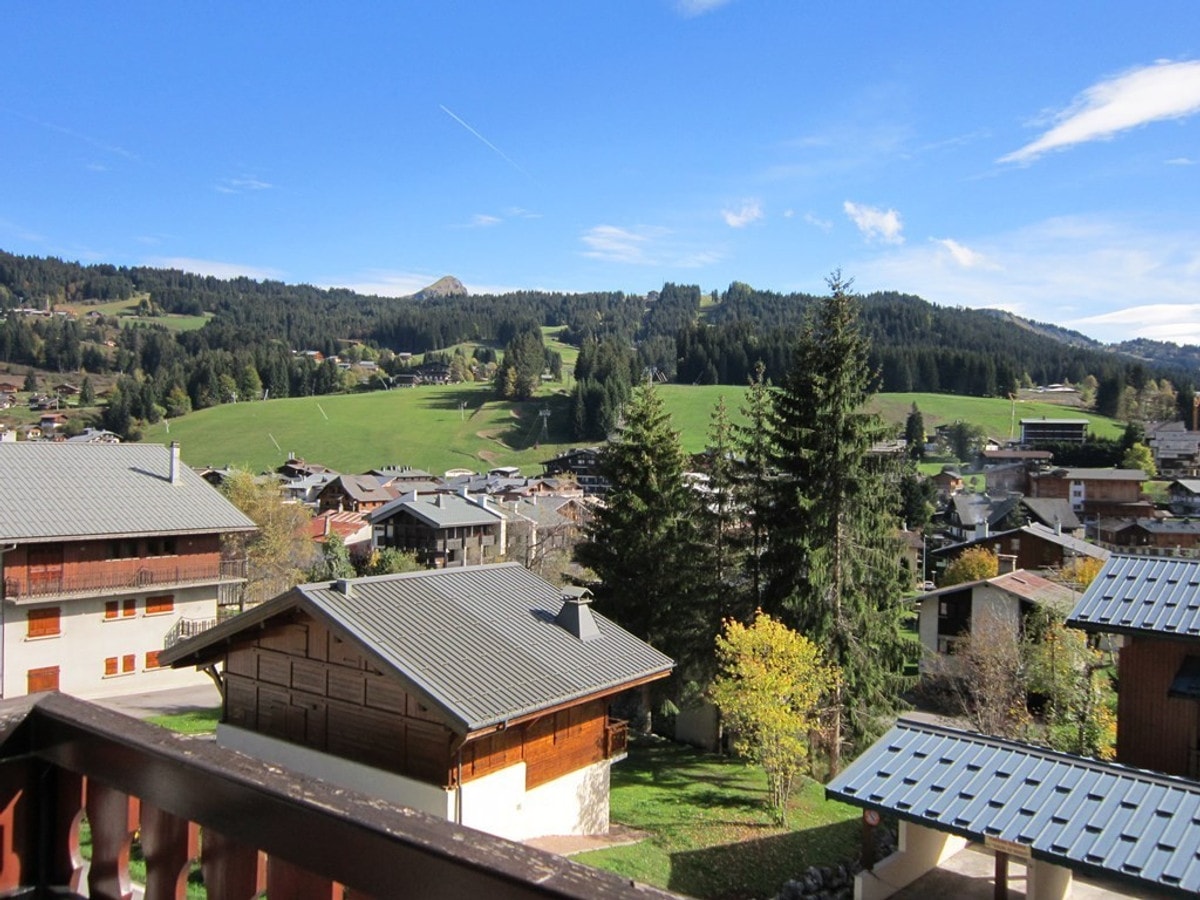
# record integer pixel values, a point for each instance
(832, 565)
(754, 482)
(643, 542)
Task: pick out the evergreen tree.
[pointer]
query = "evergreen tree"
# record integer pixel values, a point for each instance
(833, 563)
(87, 394)
(643, 542)
(914, 433)
(754, 485)
(31, 382)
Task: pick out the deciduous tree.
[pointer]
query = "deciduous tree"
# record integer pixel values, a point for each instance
(973, 564)
(772, 688)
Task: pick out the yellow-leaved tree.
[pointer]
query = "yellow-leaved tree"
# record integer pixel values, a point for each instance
(772, 686)
(974, 564)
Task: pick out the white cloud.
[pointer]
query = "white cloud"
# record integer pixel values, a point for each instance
(242, 185)
(645, 245)
(817, 222)
(1088, 274)
(215, 268)
(749, 211)
(963, 255)
(613, 244)
(691, 8)
(517, 212)
(1181, 161)
(1164, 90)
(876, 224)
(479, 220)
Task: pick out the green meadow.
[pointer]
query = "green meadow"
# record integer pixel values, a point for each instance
(443, 427)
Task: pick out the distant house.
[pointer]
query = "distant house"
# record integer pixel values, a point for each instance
(352, 527)
(107, 551)
(52, 422)
(1150, 537)
(1183, 497)
(355, 493)
(976, 515)
(1154, 604)
(1176, 450)
(1038, 432)
(1095, 492)
(945, 616)
(479, 695)
(95, 436)
(1027, 547)
(444, 530)
(584, 465)
(948, 482)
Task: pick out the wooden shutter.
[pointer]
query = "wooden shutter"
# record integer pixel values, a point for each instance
(44, 622)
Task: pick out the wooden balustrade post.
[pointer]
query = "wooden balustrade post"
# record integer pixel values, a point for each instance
(62, 803)
(287, 880)
(169, 845)
(113, 817)
(232, 870)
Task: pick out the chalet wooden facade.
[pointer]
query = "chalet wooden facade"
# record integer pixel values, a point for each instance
(1153, 604)
(1095, 492)
(444, 530)
(480, 694)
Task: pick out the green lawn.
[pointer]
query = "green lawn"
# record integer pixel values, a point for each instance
(710, 834)
(200, 721)
(1000, 418)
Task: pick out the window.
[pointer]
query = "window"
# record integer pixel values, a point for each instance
(43, 622)
(129, 608)
(160, 547)
(152, 659)
(123, 549)
(163, 603)
(37, 680)
(128, 661)
(110, 666)
(112, 609)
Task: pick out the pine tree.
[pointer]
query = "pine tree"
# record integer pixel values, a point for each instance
(914, 433)
(643, 542)
(754, 483)
(832, 567)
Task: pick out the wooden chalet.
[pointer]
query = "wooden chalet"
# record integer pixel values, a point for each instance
(479, 695)
(444, 529)
(1154, 604)
(1095, 492)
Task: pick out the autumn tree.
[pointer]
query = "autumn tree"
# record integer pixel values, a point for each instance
(832, 565)
(278, 554)
(772, 687)
(1139, 456)
(988, 673)
(391, 561)
(973, 564)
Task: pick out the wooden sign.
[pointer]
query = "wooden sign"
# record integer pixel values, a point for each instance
(1012, 848)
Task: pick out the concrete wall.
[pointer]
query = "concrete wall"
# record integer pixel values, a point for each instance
(921, 849)
(86, 638)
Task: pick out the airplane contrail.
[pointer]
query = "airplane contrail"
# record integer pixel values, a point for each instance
(504, 156)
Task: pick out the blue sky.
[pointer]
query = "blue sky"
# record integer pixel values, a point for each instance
(1037, 157)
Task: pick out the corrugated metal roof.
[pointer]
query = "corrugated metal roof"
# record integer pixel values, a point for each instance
(1068, 810)
(481, 642)
(1100, 474)
(440, 510)
(1142, 594)
(1034, 588)
(54, 491)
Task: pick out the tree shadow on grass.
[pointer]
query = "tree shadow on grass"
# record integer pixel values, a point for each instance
(759, 867)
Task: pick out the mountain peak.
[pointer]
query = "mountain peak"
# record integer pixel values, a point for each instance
(447, 286)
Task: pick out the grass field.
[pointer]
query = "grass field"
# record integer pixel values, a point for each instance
(454, 426)
(123, 310)
(710, 834)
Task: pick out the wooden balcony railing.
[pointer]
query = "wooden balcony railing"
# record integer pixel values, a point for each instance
(101, 582)
(253, 826)
(616, 739)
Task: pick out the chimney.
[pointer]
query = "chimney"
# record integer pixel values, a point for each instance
(440, 500)
(981, 527)
(344, 586)
(174, 470)
(576, 614)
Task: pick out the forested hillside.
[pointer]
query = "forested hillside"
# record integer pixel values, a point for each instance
(251, 341)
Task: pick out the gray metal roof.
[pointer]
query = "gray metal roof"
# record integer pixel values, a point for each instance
(53, 491)
(441, 510)
(480, 642)
(1048, 510)
(1070, 811)
(1099, 474)
(1142, 595)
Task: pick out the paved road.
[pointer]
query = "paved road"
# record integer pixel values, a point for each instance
(158, 703)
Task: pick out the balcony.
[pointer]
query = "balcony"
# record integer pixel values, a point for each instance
(263, 827)
(95, 581)
(616, 740)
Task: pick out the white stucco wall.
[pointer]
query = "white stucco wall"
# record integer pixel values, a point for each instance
(576, 803)
(86, 639)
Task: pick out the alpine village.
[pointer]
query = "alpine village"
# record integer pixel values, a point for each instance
(728, 594)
